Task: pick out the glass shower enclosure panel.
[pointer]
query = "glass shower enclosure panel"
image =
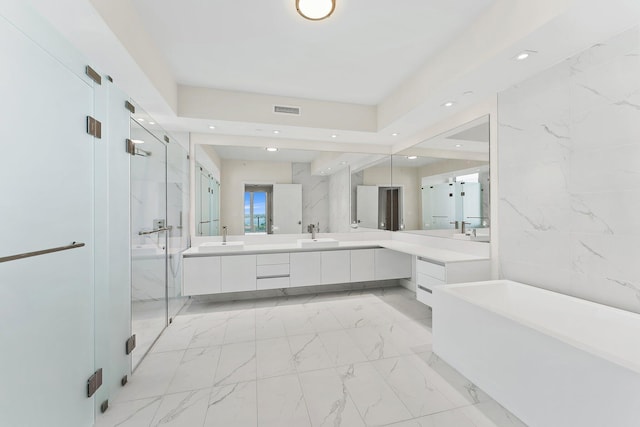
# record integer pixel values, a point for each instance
(177, 220)
(149, 233)
(46, 244)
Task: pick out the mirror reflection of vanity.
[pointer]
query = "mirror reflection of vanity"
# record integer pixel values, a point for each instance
(444, 183)
(255, 191)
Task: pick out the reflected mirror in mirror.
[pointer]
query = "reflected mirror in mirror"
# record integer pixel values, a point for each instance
(445, 181)
(375, 202)
(258, 191)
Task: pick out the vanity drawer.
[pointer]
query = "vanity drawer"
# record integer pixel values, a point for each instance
(428, 281)
(424, 296)
(267, 259)
(430, 269)
(273, 270)
(273, 283)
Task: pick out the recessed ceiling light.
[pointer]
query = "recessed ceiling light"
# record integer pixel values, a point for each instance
(328, 169)
(137, 141)
(276, 132)
(525, 54)
(152, 123)
(343, 163)
(412, 157)
(321, 172)
(271, 149)
(212, 127)
(458, 145)
(334, 136)
(448, 104)
(141, 119)
(395, 134)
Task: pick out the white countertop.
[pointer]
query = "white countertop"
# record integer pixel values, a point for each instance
(430, 253)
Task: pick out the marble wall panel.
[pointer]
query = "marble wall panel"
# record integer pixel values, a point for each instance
(569, 170)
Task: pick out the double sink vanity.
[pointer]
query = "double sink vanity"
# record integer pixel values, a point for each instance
(233, 266)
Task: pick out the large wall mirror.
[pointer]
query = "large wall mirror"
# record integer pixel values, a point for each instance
(443, 184)
(255, 190)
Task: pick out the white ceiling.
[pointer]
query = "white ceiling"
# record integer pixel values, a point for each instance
(403, 59)
(358, 55)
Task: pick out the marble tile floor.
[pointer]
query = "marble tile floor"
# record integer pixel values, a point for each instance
(358, 358)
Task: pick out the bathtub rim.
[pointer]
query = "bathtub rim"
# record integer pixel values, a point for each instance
(612, 357)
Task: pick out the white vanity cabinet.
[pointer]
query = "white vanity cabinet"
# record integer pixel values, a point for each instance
(201, 275)
(362, 265)
(238, 273)
(431, 274)
(335, 267)
(305, 268)
(390, 264)
(212, 274)
(273, 271)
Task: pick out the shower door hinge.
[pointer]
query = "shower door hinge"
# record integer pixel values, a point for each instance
(94, 127)
(130, 344)
(166, 139)
(93, 74)
(94, 382)
(129, 106)
(130, 147)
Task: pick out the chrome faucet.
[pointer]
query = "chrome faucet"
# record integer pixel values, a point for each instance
(311, 228)
(224, 234)
(463, 224)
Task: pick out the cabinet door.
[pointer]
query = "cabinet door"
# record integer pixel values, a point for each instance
(238, 273)
(336, 267)
(201, 275)
(362, 265)
(391, 264)
(305, 268)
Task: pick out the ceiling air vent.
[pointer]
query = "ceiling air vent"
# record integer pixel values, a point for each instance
(281, 109)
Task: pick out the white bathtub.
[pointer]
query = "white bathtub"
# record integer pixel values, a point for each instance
(551, 359)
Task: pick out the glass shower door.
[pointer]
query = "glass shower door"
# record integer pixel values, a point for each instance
(177, 214)
(148, 240)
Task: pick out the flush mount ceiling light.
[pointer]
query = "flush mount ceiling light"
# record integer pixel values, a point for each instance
(524, 55)
(271, 149)
(315, 10)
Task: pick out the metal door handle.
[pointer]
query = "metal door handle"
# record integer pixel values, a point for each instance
(73, 245)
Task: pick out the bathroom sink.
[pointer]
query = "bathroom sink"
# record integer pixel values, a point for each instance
(318, 243)
(478, 238)
(220, 246)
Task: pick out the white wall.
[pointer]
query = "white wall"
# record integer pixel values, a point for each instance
(315, 196)
(569, 161)
(339, 202)
(235, 174)
(408, 178)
